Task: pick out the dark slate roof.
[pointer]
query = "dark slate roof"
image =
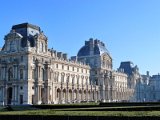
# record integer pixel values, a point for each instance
(127, 67)
(98, 47)
(25, 25)
(27, 37)
(84, 51)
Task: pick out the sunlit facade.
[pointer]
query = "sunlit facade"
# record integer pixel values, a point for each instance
(31, 73)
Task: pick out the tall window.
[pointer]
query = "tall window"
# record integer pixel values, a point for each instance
(62, 78)
(82, 70)
(40, 47)
(10, 73)
(21, 73)
(33, 72)
(21, 58)
(77, 80)
(73, 80)
(57, 76)
(43, 76)
(68, 79)
(56, 65)
(12, 46)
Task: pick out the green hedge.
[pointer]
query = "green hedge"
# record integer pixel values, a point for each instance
(116, 104)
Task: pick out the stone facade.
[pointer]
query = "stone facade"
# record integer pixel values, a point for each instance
(148, 88)
(30, 73)
(114, 85)
(120, 89)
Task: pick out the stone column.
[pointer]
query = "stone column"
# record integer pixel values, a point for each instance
(77, 95)
(52, 88)
(72, 99)
(82, 96)
(3, 93)
(15, 72)
(36, 94)
(17, 94)
(67, 93)
(87, 94)
(61, 96)
(55, 94)
(5, 73)
(48, 95)
(40, 94)
(13, 95)
(61, 93)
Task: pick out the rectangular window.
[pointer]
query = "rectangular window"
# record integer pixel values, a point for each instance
(21, 58)
(21, 73)
(82, 70)
(62, 78)
(33, 74)
(33, 59)
(57, 66)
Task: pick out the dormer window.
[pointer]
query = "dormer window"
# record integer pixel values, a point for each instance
(12, 46)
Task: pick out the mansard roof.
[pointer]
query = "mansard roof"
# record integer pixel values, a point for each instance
(25, 25)
(29, 32)
(128, 67)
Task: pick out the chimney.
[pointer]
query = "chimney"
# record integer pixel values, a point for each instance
(65, 56)
(147, 73)
(59, 55)
(74, 58)
(91, 46)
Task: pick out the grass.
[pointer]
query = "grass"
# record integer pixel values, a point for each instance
(83, 113)
(95, 110)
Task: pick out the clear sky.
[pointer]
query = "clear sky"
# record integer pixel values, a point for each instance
(129, 28)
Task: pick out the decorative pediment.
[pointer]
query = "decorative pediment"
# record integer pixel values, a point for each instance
(13, 35)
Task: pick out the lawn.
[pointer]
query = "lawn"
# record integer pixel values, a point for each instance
(82, 113)
(84, 110)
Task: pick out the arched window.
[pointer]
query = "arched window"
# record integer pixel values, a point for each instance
(10, 73)
(21, 73)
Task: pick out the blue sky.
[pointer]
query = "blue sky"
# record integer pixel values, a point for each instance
(129, 28)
